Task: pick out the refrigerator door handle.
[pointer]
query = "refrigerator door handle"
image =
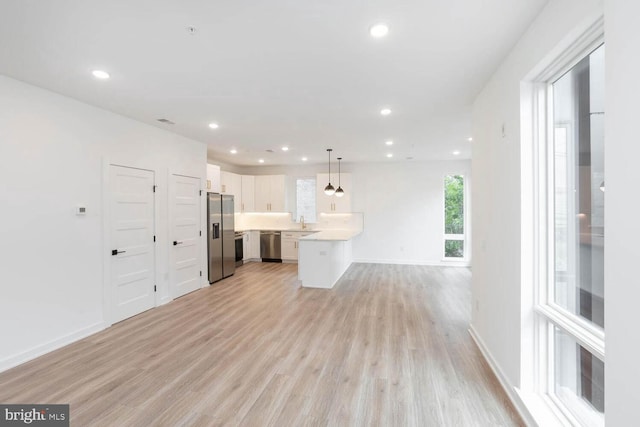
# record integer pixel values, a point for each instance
(216, 230)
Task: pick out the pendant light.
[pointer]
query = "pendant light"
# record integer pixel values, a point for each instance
(329, 190)
(339, 191)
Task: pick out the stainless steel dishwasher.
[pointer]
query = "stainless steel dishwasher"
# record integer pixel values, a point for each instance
(270, 246)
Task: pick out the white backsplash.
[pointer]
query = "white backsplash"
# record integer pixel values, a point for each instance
(341, 221)
(284, 221)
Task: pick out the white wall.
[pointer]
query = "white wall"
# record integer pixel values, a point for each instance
(402, 203)
(52, 150)
(496, 197)
(496, 172)
(622, 293)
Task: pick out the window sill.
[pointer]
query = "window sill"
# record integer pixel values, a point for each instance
(543, 411)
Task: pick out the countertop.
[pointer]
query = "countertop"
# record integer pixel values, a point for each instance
(332, 235)
(316, 235)
(297, 229)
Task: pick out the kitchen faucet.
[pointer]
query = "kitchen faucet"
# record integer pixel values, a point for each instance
(302, 222)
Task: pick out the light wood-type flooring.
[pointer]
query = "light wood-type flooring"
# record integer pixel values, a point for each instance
(388, 346)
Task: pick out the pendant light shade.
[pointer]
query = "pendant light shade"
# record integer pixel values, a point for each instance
(329, 190)
(339, 191)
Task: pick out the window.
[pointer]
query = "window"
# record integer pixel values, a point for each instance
(454, 216)
(570, 303)
(306, 199)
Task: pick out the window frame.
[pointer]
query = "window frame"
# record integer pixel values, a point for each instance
(296, 214)
(549, 314)
(465, 204)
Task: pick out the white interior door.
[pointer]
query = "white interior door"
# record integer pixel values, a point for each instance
(185, 273)
(132, 241)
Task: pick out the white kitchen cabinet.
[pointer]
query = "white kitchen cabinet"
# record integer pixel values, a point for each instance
(231, 184)
(270, 194)
(290, 244)
(213, 178)
(254, 244)
(289, 248)
(225, 182)
(333, 204)
(248, 201)
(245, 246)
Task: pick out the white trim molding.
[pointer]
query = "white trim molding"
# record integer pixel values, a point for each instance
(511, 391)
(50, 346)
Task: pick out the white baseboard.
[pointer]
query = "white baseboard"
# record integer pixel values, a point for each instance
(412, 262)
(511, 391)
(25, 356)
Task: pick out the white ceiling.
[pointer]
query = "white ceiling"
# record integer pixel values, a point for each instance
(281, 72)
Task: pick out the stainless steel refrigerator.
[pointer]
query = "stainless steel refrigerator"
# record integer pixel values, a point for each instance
(220, 237)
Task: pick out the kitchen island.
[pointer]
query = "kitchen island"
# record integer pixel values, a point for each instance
(323, 257)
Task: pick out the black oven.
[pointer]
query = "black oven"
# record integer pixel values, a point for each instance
(239, 250)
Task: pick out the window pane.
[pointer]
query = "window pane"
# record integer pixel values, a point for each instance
(579, 379)
(454, 204)
(454, 248)
(578, 179)
(306, 199)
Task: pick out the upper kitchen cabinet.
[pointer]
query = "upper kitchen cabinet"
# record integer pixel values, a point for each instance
(248, 201)
(333, 204)
(213, 178)
(228, 183)
(270, 194)
(231, 184)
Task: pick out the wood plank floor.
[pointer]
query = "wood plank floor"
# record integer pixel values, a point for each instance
(388, 346)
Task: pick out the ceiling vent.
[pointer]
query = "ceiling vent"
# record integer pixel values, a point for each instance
(166, 121)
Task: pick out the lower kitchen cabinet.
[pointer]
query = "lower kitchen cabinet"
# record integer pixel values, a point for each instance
(254, 245)
(251, 246)
(245, 246)
(289, 244)
(289, 251)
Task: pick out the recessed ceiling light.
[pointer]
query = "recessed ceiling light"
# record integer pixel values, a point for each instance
(233, 151)
(456, 153)
(285, 148)
(389, 155)
(304, 159)
(385, 111)
(379, 30)
(389, 142)
(99, 74)
(470, 139)
(261, 161)
(214, 125)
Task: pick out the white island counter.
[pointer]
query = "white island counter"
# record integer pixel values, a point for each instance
(323, 257)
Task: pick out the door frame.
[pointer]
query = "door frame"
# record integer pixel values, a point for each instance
(202, 256)
(107, 291)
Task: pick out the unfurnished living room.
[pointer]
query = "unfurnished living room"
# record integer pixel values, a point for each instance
(330, 213)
